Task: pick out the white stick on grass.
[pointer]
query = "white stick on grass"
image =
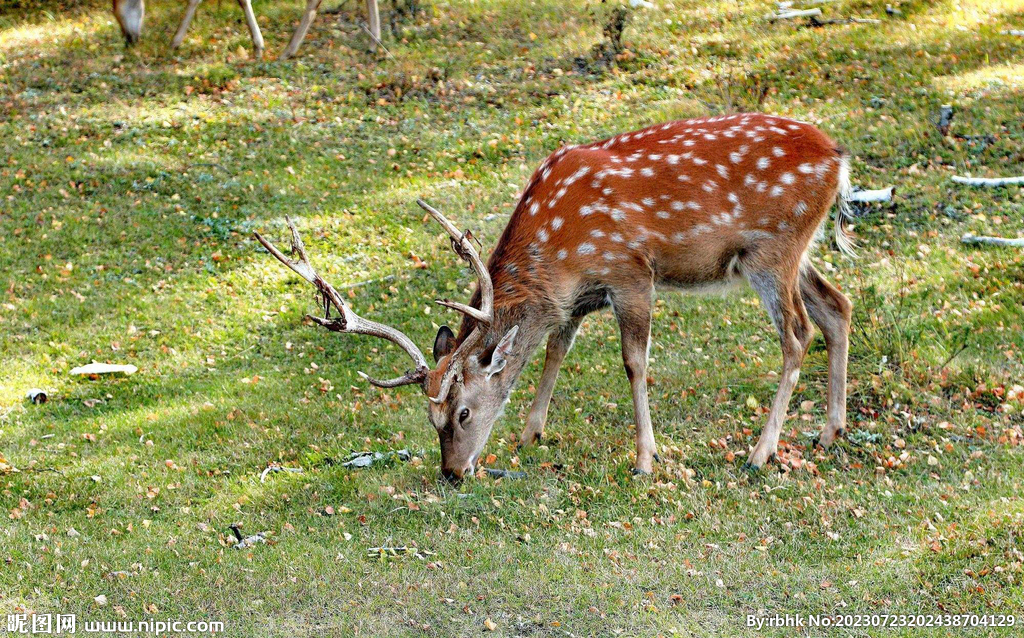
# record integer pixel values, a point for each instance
(880, 195)
(789, 14)
(994, 241)
(988, 181)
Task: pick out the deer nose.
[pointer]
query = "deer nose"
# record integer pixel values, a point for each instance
(452, 476)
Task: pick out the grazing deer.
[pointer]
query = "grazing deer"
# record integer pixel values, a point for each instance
(129, 14)
(687, 205)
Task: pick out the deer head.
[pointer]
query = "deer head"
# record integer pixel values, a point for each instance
(468, 388)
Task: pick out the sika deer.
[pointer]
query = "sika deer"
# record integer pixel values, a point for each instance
(689, 205)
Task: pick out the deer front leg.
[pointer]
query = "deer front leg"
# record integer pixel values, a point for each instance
(254, 28)
(782, 301)
(190, 12)
(559, 344)
(633, 311)
(307, 20)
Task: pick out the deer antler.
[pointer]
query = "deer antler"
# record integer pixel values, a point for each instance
(349, 321)
(484, 316)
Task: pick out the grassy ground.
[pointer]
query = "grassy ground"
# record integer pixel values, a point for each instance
(130, 183)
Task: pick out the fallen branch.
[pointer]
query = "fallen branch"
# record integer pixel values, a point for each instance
(277, 468)
(988, 181)
(880, 195)
(993, 241)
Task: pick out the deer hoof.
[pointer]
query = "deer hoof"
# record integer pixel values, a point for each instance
(657, 457)
(639, 472)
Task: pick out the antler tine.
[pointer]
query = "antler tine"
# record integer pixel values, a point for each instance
(349, 322)
(464, 247)
(484, 315)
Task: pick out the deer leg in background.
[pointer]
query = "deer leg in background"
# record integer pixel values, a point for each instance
(307, 20)
(373, 19)
(129, 14)
(781, 299)
(190, 12)
(559, 343)
(254, 28)
(633, 311)
(830, 310)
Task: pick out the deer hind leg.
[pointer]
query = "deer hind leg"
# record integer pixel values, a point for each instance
(633, 311)
(830, 310)
(186, 19)
(559, 344)
(781, 299)
(254, 28)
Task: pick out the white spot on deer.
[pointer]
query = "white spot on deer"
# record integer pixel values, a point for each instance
(683, 177)
(689, 143)
(580, 172)
(618, 214)
(709, 186)
(777, 151)
(722, 171)
(799, 209)
(700, 229)
(677, 205)
(632, 206)
(733, 198)
(616, 237)
(678, 237)
(776, 191)
(752, 235)
(610, 256)
(763, 221)
(699, 161)
(534, 207)
(563, 253)
(654, 157)
(805, 168)
(647, 201)
(647, 171)
(672, 159)
(787, 178)
(749, 180)
(542, 234)
(711, 137)
(586, 248)
(782, 225)
(607, 190)
(735, 157)
(762, 187)
(762, 163)
(662, 215)
(597, 232)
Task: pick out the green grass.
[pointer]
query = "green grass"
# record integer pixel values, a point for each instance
(130, 183)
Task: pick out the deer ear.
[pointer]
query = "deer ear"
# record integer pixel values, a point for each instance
(444, 343)
(501, 352)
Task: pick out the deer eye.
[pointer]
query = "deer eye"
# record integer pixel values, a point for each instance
(463, 415)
